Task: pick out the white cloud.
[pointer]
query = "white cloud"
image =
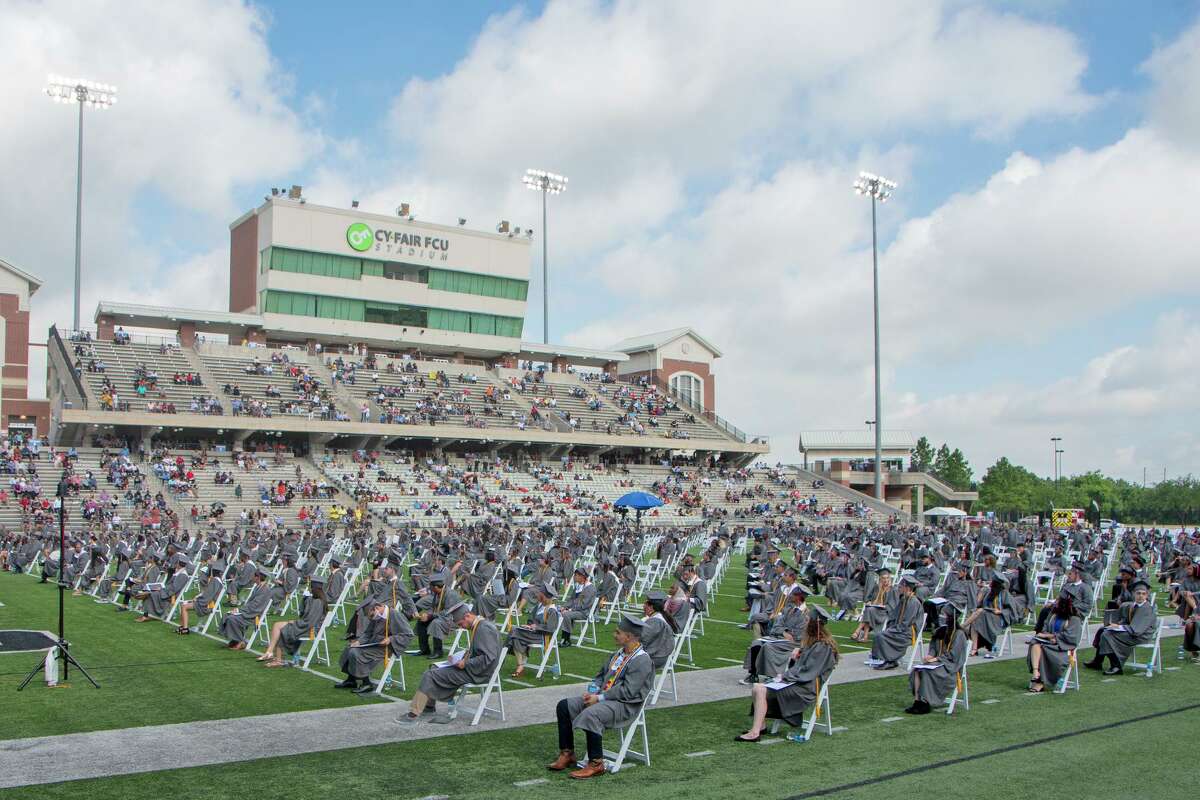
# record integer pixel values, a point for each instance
(203, 110)
(1175, 101)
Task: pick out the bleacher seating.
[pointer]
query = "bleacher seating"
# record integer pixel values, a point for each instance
(121, 364)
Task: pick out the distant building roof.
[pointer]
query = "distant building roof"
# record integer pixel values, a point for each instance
(653, 341)
(35, 283)
(536, 351)
(855, 440)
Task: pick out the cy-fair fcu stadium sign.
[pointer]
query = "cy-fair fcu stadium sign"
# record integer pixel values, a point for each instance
(361, 239)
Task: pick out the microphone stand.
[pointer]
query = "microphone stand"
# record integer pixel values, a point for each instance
(61, 643)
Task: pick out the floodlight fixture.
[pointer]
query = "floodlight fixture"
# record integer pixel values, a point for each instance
(547, 183)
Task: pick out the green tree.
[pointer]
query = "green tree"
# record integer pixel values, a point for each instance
(923, 455)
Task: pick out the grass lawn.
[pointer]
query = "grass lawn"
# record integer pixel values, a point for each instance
(149, 675)
(1137, 759)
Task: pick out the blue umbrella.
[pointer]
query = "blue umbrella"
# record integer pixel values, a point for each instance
(638, 500)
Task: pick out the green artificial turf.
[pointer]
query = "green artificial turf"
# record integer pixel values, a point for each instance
(149, 675)
(1150, 758)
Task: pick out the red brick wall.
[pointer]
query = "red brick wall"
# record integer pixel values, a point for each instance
(243, 264)
(16, 345)
(672, 365)
(37, 410)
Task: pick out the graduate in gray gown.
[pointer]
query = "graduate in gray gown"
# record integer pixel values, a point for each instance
(238, 622)
(211, 592)
(1051, 648)
(386, 633)
(770, 655)
(614, 697)
(893, 640)
(876, 609)
(805, 677)
(157, 602)
(542, 623)
(1132, 624)
(658, 628)
(473, 666)
(577, 605)
(286, 635)
(994, 614)
(934, 679)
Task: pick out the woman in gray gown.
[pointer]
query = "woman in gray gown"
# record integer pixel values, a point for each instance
(770, 654)
(875, 612)
(933, 680)
(1051, 650)
(286, 635)
(818, 656)
(995, 612)
(542, 626)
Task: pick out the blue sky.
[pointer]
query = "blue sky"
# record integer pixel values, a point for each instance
(1037, 276)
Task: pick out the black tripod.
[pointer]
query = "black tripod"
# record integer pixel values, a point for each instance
(60, 642)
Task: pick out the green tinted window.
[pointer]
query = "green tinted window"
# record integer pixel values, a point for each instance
(470, 283)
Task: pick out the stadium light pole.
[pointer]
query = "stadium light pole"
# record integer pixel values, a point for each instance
(880, 189)
(83, 93)
(547, 183)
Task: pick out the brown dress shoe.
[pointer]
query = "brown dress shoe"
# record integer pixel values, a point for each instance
(592, 769)
(566, 758)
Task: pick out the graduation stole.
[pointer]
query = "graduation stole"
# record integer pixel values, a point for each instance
(617, 665)
(782, 599)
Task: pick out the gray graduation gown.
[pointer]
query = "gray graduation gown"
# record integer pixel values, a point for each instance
(773, 654)
(934, 686)
(1056, 652)
(204, 602)
(875, 613)
(621, 701)
(441, 683)
(1138, 625)
(577, 606)
(544, 620)
(811, 670)
(359, 662)
(890, 643)
(312, 614)
(658, 639)
(991, 625)
(158, 602)
(235, 624)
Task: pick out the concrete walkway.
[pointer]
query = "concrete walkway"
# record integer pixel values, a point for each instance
(51, 759)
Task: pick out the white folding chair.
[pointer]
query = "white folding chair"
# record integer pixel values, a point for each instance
(386, 680)
(917, 648)
(1155, 648)
(494, 684)
(627, 732)
(820, 709)
(1004, 641)
(588, 631)
(213, 610)
(668, 670)
(318, 642)
(260, 626)
(962, 691)
(1070, 679)
(549, 646)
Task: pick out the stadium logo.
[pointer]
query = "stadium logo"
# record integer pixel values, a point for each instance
(359, 236)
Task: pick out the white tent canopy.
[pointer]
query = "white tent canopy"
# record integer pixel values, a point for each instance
(944, 511)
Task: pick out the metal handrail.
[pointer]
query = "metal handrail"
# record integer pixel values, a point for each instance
(69, 364)
(699, 410)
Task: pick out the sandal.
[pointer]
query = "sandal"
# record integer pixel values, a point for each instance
(519, 672)
(747, 740)
(1040, 687)
(275, 663)
(265, 657)
(182, 631)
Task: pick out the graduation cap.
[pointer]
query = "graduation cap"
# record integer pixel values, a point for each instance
(804, 590)
(1128, 570)
(437, 579)
(883, 571)
(630, 625)
(458, 611)
(336, 562)
(545, 588)
(999, 578)
(316, 581)
(1078, 565)
(258, 573)
(581, 571)
(820, 614)
(656, 595)
(1140, 583)
(910, 581)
